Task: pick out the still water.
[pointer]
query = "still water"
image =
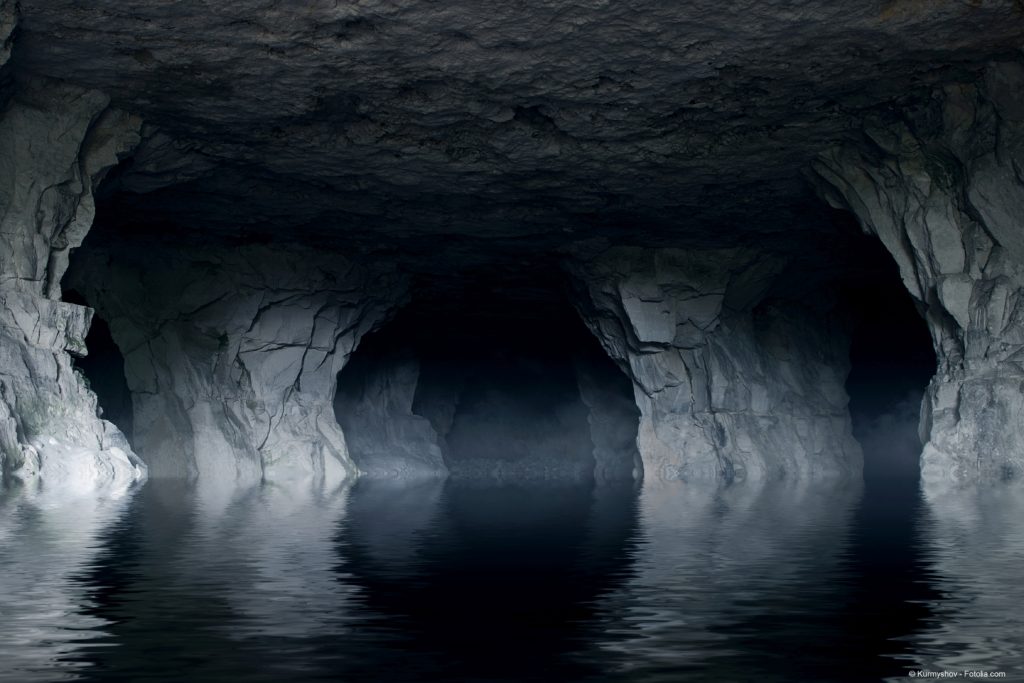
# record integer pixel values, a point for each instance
(449, 581)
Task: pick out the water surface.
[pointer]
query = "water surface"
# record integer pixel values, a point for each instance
(462, 581)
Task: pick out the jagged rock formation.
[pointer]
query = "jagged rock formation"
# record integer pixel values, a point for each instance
(729, 385)
(231, 356)
(301, 170)
(56, 144)
(943, 188)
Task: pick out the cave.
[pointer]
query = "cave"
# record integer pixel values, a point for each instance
(892, 360)
(494, 375)
(694, 228)
(658, 340)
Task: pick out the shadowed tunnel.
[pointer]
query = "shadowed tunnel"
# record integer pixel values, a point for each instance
(490, 370)
(103, 368)
(891, 362)
(488, 378)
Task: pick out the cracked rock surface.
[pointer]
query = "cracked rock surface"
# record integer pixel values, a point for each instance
(56, 143)
(730, 385)
(519, 398)
(231, 357)
(264, 183)
(943, 188)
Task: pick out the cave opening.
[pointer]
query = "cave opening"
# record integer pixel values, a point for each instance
(892, 359)
(488, 378)
(103, 368)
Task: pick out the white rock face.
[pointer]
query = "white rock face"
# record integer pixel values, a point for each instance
(460, 137)
(231, 355)
(56, 144)
(943, 191)
(728, 384)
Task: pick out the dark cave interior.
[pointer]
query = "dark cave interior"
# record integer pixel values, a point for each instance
(892, 360)
(481, 370)
(103, 367)
(502, 380)
(511, 341)
(266, 201)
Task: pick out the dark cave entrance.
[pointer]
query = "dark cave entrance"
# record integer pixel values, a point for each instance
(103, 368)
(892, 359)
(488, 379)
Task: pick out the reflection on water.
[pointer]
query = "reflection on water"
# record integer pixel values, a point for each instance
(733, 581)
(546, 581)
(47, 539)
(973, 543)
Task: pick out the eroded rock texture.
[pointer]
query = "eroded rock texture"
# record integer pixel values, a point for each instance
(446, 140)
(490, 119)
(231, 356)
(942, 187)
(729, 384)
(56, 144)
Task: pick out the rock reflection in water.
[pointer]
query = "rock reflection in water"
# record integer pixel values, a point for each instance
(223, 584)
(48, 538)
(733, 582)
(972, 541)
(462, 580)
(497, 582)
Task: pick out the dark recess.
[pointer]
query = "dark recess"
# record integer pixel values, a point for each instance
(498, 360)
(103, 367)
(892, 360)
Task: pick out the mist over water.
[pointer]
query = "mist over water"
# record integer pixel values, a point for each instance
(532, 581)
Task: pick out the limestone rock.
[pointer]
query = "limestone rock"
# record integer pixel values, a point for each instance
(437, 140)
(943, 191)
(56, 144)
(612, 416)
(231, 355)
(415, 405)
(753, 392)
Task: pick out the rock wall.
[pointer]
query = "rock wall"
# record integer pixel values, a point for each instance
(728, 384)
(8, 20)
(231, 355)
(942, 186)
(56, 144)
(374, 405)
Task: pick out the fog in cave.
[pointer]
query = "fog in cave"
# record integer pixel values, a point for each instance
(491, 342)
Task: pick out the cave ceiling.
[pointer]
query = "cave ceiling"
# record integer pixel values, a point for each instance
(392, 125)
